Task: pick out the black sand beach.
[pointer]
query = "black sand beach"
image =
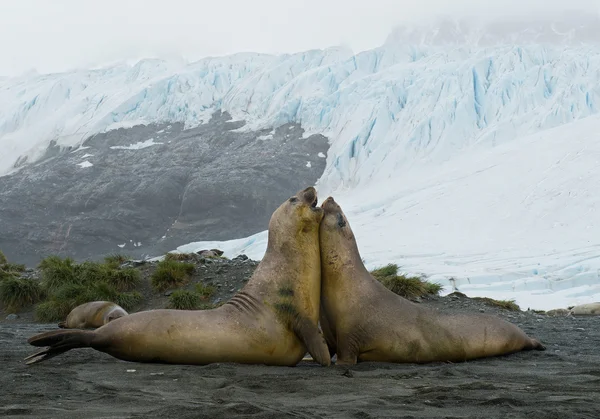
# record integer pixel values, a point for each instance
(561, 382)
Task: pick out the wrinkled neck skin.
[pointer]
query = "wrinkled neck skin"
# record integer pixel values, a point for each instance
(291, 262)
(341, 264)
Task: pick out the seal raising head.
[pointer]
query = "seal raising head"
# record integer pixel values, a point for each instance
(364, 321)
(273, 320)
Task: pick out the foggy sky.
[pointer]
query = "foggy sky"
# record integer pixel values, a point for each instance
(58, 35)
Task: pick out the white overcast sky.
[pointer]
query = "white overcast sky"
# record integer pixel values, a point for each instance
(57, 35)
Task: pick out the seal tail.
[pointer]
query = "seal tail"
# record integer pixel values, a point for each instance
(537, 345)
(58, 341)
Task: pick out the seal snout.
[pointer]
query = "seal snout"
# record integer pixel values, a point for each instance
(310, 196)
(329, 205)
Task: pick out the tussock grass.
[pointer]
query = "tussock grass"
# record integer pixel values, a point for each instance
(432, 288)
(180, 256)
(52, 311)
(9, 270)
(13, 267)
(184, 300)
(129, 300)
(205, 291)
(116, 260)
(406, 286)
(386, 271)
(505, 304)
(68, 285)
(125, 279)
(18, 293)
(170, 273)
(57, 272)
(7, 275)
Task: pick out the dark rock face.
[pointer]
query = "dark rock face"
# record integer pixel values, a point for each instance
(206, 183)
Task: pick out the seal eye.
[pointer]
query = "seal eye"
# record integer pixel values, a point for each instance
(293, 199)
(340, 220)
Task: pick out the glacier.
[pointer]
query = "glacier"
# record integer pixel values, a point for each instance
(472, 162)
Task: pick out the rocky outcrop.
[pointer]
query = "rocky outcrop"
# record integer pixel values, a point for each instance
(148, 189)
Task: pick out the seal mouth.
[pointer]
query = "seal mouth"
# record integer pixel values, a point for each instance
(329, 205)
(309, 195)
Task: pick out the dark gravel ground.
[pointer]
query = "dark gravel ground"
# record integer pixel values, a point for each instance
(561, 382)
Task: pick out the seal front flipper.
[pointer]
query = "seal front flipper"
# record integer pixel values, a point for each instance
(315, 343)
(347, 351)
(328, 332)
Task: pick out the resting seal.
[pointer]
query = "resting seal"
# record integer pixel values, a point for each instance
(273, 320)
(364, 321)
(590, 309)
(92, 315)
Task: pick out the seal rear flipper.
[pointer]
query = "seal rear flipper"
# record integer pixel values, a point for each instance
(537, 345)
(59, 341)
(62, 325)
(315, 343)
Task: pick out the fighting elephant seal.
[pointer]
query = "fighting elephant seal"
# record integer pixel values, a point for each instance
(92, 315)
(364, 321)
(273, 320)
(590, 309)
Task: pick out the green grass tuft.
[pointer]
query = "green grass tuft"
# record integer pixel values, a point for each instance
(432, 288)
(52, 311)
(129, 300)
(205, 291)
(57, 272)
(7, 275)
(101, 291)
(180, 256)
(125, 279)
(184, 300)
(115, 260)
(410, 287)
(71, 295)
(9, 270)
(386, 271)
(170, 273)
(13, 267)
(18, 293)
(505, 304)
(69, 285)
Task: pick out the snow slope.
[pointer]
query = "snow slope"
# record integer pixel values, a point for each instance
(521, 220)
(482, 132)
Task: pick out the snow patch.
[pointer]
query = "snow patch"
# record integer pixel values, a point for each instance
(125, 124)
(137, 146)
(85, 164)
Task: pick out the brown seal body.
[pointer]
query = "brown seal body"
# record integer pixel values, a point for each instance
(92, 315)
(273, 320)
(364, 321)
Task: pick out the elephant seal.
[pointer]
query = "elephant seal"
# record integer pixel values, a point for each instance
(92, 315)
(364, 321)
(273, 320)
(590, 309)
